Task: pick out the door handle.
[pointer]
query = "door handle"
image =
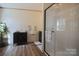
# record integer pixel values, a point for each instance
(53, 31)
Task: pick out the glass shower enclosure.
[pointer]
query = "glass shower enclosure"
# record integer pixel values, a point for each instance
(62, 29)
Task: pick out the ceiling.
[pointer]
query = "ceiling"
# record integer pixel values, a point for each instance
(30, 6)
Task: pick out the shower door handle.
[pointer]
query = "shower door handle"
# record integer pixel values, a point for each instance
(52, 31)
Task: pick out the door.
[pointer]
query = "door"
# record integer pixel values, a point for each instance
(62, 30)
(50, 32)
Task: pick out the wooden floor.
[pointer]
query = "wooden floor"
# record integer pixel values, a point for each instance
(21, 50)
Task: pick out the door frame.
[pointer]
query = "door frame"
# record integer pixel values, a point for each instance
(45, 27)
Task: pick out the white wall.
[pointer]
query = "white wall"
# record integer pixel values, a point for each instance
(19, 20)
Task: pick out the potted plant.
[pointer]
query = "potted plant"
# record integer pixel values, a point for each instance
(3, 31)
